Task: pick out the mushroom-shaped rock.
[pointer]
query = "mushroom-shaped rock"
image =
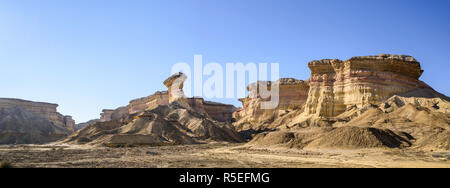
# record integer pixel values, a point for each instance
(175, 86)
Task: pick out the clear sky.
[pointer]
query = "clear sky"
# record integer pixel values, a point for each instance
(87, 55)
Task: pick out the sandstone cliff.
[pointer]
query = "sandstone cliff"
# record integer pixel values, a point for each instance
(28, 122)
(336, 85)
(377, 96)
(292, 97)
(19, 126)
(45, 110)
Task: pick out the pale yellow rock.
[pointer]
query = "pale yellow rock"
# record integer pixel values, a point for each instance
(336, 85)
(292, 96)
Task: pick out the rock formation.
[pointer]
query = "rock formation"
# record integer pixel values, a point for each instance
(27, 122)
(157, 99)
(85, 124)
(106, 115)
(69, 123)
(336, 85)
(217, 111)
(164, 125)
(174, 85)
(369, 101)
(292, 97)
(46, 110)
(160, 119)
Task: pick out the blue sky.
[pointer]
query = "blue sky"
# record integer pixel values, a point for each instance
(87, 55)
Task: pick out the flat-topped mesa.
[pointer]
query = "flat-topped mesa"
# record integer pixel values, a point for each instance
(403, 65)
(46, 110)
(292, 95)
(336, 85)
(175, 86)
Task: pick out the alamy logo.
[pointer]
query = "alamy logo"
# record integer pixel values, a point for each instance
(230, 83)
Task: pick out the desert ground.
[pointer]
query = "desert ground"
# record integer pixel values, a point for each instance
(215, 155)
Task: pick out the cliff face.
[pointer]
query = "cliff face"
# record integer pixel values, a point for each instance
(27, 122)
(46, 110)
(369, 101)
(337, 85)
(292, 97)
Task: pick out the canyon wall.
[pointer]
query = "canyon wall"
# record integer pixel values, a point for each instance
(46, 110)
(337, 85)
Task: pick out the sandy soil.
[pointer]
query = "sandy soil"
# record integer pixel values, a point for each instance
(214, 155)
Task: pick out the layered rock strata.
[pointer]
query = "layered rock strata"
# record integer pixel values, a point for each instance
(162, 120)
(292, 97)
(27, 122)
(217, 111)
(175, 86)
(337, 85)
(363, 102)
(45, 110)
(171, 124)
(106, 115)
(152, 101)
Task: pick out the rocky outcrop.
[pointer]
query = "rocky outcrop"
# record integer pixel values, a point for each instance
(292, 97)
(175, 86)
(106, 115)
(135, 106)
(336, 85)
(141, 104)
(85, 124)
(19, 126)
(363, 102)
(45, 110)
(164, 125)
(69, 123)
(161, 119)
(217, 111)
